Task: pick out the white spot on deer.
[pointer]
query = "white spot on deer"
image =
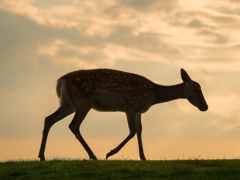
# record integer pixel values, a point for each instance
(77, 79)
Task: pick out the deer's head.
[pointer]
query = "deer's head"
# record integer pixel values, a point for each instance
(193, 92)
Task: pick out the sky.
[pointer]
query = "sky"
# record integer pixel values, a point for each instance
(41, 40)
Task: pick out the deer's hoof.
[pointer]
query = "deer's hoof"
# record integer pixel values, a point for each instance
(94, 158)
(110, 154)
(42, 158)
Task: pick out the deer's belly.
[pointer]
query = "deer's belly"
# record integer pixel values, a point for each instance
(108, 103)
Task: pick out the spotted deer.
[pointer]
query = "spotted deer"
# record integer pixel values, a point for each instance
(113, 90)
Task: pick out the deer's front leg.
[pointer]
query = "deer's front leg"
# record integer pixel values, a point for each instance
(139, 136)
(131, 117)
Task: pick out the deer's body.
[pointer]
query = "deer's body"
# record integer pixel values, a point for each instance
(108, 90)
(112, 90)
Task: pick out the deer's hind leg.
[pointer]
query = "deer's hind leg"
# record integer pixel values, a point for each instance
(74, 126)
(63, 111)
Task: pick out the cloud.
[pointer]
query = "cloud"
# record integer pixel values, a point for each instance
(149, 6)
(154, 35)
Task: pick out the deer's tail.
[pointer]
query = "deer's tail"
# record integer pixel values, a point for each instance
(60, 83)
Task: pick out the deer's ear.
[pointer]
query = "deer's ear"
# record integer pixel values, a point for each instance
(185, 76)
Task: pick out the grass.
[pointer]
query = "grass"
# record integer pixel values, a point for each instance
(74, 169)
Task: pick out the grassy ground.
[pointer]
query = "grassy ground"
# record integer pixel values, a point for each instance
(174, 169)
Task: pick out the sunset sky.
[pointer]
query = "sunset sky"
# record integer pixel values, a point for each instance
(41, 40)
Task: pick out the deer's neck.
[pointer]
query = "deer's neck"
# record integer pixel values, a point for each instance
(168, 93)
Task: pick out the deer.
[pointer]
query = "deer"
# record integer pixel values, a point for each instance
(114, 90)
